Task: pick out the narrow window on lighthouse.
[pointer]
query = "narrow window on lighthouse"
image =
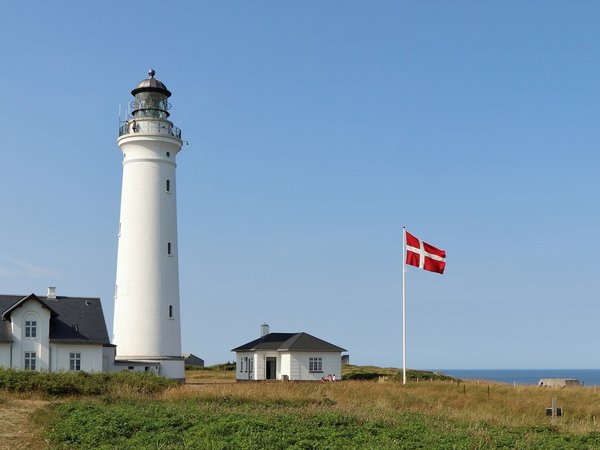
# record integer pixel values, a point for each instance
(169, 248)
(168, 185)
(170, 311)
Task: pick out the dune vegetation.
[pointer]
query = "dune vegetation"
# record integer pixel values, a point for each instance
(375, 412)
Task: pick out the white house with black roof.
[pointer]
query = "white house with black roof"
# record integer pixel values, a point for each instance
(287, 356)
(54, 333)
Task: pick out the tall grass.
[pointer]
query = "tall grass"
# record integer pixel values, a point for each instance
(344, 415)
(491, 404)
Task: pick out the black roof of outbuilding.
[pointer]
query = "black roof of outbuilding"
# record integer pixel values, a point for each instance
(77, 320)
(282, 342)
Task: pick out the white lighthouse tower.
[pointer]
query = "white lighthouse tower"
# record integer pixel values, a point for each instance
(146, 318)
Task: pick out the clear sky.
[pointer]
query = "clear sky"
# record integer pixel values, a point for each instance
(317, 129)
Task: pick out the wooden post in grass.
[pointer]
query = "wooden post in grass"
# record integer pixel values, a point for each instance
(554, 411)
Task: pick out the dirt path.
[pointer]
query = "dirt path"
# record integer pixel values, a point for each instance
(15, 430)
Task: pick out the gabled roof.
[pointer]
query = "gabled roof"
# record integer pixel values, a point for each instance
(6, 313)
(283, 342)
(77, 320)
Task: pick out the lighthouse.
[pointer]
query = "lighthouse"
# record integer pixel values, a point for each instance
(147, 314)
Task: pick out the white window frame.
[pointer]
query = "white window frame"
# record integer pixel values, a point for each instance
(31, 329)
(30, 361)
(315, 364)
(75, 361)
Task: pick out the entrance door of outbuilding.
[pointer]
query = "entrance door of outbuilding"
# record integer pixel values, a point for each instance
(271, 368)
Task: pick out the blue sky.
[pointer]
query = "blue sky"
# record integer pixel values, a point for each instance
(316, 131)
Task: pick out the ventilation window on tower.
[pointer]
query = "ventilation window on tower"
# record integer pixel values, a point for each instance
(168, 185)
(169, 248)
(170, 311)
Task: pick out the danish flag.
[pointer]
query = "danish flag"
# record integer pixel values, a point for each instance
(423, 255)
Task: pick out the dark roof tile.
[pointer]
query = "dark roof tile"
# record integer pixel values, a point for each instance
(289, 342)
(77, 320)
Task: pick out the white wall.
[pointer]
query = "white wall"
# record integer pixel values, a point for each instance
(4, 354)
(91, 357)
(293, 364)
(286, 360)
(108, 358)
(299, 365)
(137, 366)
(242, 363)
(147, 281)
(30, 310)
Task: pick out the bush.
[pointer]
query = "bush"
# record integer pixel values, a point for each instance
(423, 375)
(59, 384)
(363, 376)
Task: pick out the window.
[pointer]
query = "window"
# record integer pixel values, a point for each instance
(315, 364)
(74, 361)
(249, 364)
(30, 329)
(30, 360)
(170, 311)
(168, 185)
(241, 364)
(168, 248)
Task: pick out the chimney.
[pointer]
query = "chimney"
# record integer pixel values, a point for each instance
(51, 292)
(264, 329)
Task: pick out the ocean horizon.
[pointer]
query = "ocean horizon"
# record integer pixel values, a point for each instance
(588, 377)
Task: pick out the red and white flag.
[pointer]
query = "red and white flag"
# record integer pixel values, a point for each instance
(423, 255)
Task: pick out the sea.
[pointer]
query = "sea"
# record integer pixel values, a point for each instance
(588, 377)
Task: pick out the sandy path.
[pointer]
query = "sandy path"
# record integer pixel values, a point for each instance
(15, 431)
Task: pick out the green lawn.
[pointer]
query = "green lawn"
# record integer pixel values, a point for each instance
(226, 424)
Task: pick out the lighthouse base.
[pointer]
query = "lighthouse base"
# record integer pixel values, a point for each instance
(165, 366)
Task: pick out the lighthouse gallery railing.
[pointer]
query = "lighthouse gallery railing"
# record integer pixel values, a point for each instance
(149, 128)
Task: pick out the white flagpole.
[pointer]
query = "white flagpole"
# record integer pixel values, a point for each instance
(403, 305)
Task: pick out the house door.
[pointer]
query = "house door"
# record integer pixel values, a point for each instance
(271, 368)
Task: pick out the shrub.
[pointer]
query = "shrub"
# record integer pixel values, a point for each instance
(363, 376)
(59, 384)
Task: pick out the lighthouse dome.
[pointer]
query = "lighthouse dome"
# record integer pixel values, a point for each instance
(151, 84)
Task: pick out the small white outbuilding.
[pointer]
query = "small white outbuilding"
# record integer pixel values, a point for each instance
(288, 356)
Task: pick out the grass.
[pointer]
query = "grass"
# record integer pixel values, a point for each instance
(382, 414)
(350, 415)
(219, 373)
(350, 372)
(14, 412)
